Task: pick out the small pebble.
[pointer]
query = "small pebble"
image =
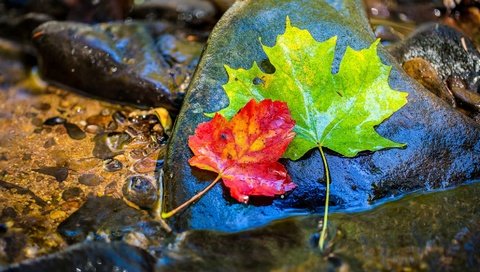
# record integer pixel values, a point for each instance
(60, 173)
(145, 165)
(37, 122)
(116, 141)
(112, 165)
(106, 112)
(49, 143)
(140, 191)
(54, 121)
(90, 179)
(64, 104)
(9, 212)
(111, 188)
(137, 239)
(71, 193)
(112, 125)
(27, 157)
(74, 131)
(42, 106)
(99, 120)
(119, 117)
(31, 114)
(136, 154)
(93, 129)
(158, 128)
(57, 215)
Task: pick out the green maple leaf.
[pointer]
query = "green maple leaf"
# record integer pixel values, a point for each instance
(335, 111)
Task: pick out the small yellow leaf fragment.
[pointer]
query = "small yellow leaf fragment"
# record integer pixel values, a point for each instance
(57, 215)
(164, 118)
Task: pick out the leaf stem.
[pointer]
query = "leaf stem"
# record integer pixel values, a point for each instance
(321, 241)
(191, 200)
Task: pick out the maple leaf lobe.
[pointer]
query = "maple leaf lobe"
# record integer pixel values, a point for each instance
(244, 151)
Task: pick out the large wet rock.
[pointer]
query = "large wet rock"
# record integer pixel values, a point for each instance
(443, 145)
(135, 63)
(97, 256)
(434, 232)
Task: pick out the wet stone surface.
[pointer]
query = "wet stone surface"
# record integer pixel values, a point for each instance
(433, 232)
(108, 219)
(437, 135)
(188, 12)
(101, 257)
(140, 191)
(146, 64)
(90, 179)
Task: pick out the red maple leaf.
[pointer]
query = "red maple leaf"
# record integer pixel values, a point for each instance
(245, 150)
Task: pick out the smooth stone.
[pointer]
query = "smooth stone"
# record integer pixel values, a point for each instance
(74, 131)
(422, 232)
(140, 191)
(53, 121)
(450, 52)
(91, 256)
(90, 179)
(107, 216)
(71, 193)
(109, 145)
(125, 60)
(443, 145)
(59, 173)
(191, 12)
(112, 165)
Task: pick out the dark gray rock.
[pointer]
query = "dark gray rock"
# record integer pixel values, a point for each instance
(95, 256)
(123, 62)
(443, 145)
(432, 232)
(190, 12)
(450, 52)
(107, 218)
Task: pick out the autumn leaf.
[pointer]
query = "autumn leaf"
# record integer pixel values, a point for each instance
(335, 111)
(245, 150)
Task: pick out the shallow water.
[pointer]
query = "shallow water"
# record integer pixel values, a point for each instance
(434, 231)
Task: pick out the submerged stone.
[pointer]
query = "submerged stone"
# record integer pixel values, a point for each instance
(93, 256)
(59, 173)
(422, 232)
(192, 12)
(117, 61)
(107, 218)
(90, 179)
(140, 191)
(443, 145)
